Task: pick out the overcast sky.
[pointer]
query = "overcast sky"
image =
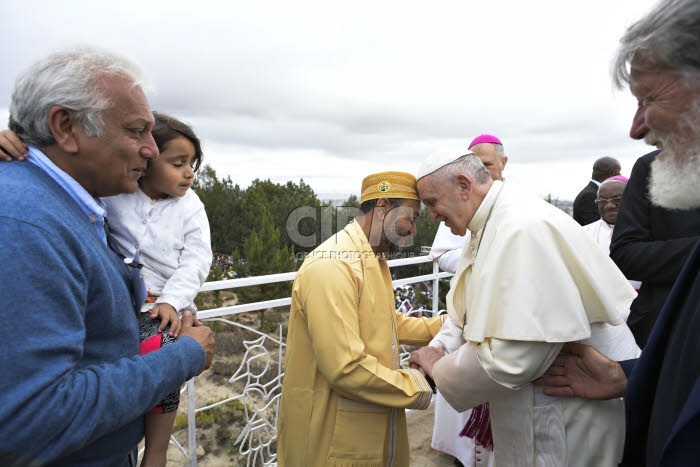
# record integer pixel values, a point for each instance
(329, 92)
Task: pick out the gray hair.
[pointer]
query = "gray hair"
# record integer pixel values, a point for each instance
(498, 149)
(668, 36)
(70, 79)
(468, 164)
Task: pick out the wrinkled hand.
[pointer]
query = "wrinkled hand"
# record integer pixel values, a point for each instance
(582, 371)
(11, 147)
(204, 337)
(424, 359)
(167, 314)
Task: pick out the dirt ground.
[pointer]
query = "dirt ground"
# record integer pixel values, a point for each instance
(420, 431)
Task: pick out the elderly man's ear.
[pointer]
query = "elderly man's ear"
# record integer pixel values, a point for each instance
(464, 185)
(63, 127)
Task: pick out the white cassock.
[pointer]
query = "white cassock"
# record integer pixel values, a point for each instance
(447, 248)
(529, 281)
(447, 251)
(601, 233)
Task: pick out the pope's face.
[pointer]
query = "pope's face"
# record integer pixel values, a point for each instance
(444, 203)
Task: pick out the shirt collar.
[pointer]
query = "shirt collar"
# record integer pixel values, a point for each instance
(479, 220)
(354, 229)
(92, 208)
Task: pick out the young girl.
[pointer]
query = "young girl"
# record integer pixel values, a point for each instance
(164, 226)
(164, 222)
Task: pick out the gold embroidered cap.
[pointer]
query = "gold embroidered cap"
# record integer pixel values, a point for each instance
(389, 185)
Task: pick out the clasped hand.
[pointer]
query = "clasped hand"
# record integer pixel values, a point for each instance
(424, 359)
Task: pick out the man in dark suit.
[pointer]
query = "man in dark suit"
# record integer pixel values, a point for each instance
(651, 244)
(659, 58)
(585, 208)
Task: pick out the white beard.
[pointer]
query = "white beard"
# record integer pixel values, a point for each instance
(673, 185)
(675, 179)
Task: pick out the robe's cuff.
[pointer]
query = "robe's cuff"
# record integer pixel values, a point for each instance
(449, 337)
(426, 391)
(462, 380)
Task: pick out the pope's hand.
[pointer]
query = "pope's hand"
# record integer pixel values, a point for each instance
(424, 359)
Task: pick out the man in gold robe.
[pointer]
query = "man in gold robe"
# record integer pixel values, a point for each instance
(344, 391)
(529, 280)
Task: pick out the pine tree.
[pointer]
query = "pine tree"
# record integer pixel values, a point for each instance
(264, 255)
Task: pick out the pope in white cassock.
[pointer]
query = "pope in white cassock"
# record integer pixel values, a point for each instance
(529, 281)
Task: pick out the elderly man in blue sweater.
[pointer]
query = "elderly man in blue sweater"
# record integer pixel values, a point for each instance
(74, 387)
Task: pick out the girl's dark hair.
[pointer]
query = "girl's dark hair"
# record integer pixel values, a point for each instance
(168, 128)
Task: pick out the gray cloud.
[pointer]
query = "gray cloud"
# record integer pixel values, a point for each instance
(359, 86)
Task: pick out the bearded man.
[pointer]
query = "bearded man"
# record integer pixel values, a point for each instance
(659, 57)
(344, 391)
(650, 243)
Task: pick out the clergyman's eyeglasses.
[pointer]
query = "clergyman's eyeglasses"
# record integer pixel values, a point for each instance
(604, 201)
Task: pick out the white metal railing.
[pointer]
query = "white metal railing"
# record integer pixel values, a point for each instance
(259, 399)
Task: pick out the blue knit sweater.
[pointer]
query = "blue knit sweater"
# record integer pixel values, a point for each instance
(73, 387)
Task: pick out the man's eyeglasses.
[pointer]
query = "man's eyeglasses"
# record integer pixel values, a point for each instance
(604, 201)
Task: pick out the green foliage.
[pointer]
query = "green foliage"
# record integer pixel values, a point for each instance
(352, 201)
(211, 299)
(235, 214)
(423, 301)
(262, 258)
(180, 421)
(204, 419)
(426, 230)
(425, 234)
(224, 205)
(219, 328)
(281, 201)
(346, 211)
(444, 288)
(224, 414)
